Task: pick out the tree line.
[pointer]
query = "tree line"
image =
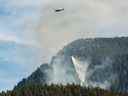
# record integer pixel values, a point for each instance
(58, 90)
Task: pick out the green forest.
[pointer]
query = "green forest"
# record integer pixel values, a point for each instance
(58, 90)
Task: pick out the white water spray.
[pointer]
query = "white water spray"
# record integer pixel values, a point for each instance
(81, 69)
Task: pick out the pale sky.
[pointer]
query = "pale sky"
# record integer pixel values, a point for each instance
(31, 32)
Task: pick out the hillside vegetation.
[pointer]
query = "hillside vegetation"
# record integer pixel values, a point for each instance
(58, 90)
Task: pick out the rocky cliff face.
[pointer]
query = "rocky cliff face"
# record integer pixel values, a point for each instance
(106, 60)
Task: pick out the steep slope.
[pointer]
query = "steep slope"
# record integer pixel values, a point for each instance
(39, 76)
(105, 59)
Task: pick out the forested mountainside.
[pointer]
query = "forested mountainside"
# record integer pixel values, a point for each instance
(104, 61)
(58, 90)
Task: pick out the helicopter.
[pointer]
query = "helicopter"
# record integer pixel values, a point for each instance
(59, 10)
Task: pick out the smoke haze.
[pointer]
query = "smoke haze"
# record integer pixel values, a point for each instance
(80, 19)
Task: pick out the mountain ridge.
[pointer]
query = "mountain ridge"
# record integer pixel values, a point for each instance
(106, 57)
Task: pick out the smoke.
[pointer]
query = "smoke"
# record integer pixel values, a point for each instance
(80, 19)
(102, 75)
(63, 73)
(68, 70)
(81, 69)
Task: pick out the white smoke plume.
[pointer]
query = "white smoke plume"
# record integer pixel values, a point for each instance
(83, 72)
(61, 72)
(81, 68)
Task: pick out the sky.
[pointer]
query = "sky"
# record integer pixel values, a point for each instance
(31, 32)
